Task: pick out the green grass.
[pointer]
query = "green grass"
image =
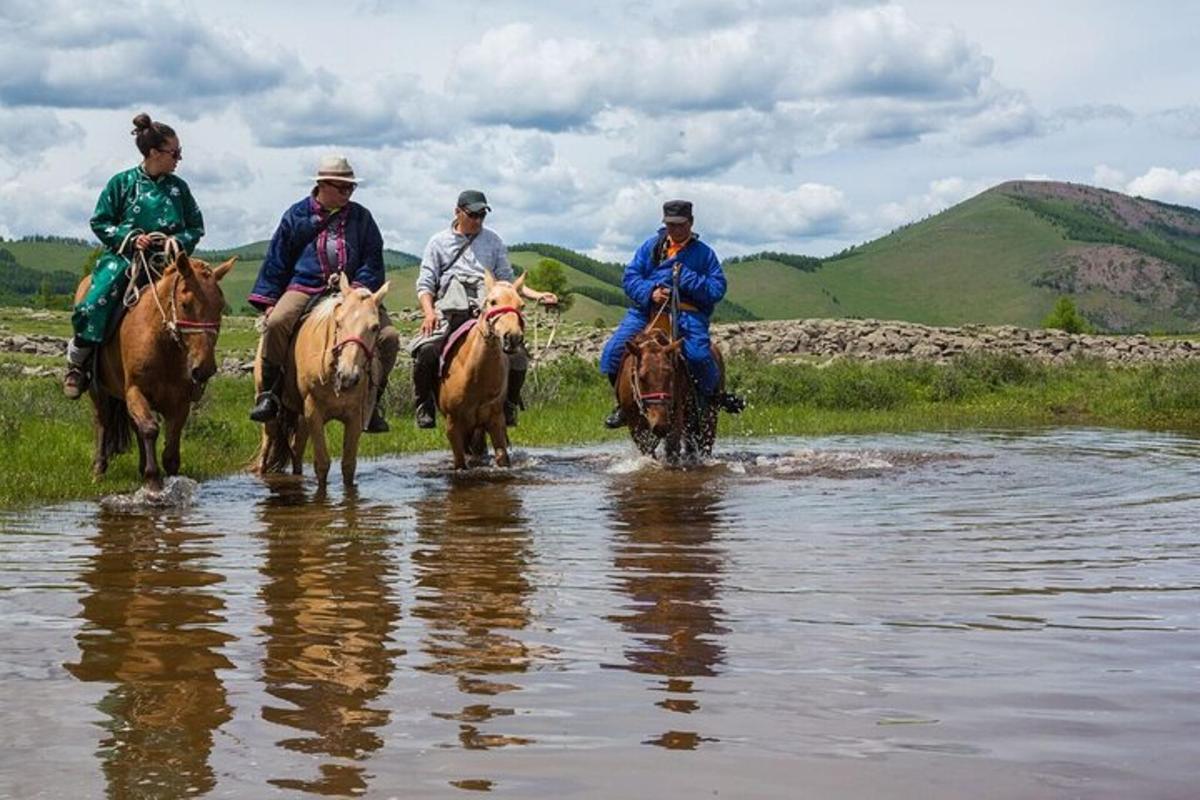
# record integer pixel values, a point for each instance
(48, 438)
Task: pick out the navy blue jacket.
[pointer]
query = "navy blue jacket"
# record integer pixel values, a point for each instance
(297, 259)
(701, 280)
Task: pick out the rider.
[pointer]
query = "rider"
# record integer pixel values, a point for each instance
(319, 237)
(648, 280)
(449, 288)
(147, 199)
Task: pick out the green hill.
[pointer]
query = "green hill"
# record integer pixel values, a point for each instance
(1002, 257)
(1006, 255)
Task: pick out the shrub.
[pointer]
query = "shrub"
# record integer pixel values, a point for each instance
(1065, 317)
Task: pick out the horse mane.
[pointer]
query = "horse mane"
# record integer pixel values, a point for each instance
(325, 307)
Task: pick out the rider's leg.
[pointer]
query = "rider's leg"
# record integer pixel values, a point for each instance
(277, 336)
(425, 369)
(79, 356)
(702, 365)
(634, 323)
(518, 365)
(387, 345)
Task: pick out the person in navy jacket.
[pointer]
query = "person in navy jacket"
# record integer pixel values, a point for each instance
(648, 281)
(318, 238)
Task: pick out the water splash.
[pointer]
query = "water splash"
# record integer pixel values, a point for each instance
(177, 492)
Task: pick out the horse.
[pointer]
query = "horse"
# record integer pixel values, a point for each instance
(657, 396)
(472, 390)
(158, 362)
(329, 376)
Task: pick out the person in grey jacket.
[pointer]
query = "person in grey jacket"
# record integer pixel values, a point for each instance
(450, 289)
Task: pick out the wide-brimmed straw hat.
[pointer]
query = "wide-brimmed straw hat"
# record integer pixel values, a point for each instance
(335, 168)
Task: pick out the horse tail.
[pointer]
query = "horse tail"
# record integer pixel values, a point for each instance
(275, 451)
(114, 417)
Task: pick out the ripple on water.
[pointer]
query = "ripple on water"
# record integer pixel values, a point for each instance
(177, 493)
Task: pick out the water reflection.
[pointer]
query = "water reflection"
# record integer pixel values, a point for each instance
(471, 563)
(668, 563)
(330, 617)
(151, 631)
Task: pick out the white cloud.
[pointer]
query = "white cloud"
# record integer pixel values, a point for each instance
(26, 133)
(1108, 177)
(940, 195)
(1162, 183)
(69, 55)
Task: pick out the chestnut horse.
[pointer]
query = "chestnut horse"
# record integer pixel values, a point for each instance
(158, 362)
(657, 396)
(472, 390)
(329, 376)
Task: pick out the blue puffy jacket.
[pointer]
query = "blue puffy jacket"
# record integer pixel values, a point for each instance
(701, 280)
(298, 257)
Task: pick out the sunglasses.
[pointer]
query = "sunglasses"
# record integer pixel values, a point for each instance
(176, 154)
(339, 187)
(475, 214)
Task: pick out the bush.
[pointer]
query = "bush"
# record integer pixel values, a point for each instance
(1065, 317)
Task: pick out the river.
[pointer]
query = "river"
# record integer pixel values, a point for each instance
(980, 614)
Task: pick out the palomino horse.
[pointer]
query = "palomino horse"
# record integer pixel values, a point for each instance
(656, 393)
(329, 377)
(157, 362)
(472, 391)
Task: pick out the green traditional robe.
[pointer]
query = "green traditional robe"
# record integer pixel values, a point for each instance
(132, 200)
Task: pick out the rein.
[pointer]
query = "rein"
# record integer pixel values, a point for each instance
(337, 348)
(151, 268)
(644, 399)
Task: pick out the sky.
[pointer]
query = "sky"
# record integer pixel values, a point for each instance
(802, 126)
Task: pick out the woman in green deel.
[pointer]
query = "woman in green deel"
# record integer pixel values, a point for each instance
(140, 201)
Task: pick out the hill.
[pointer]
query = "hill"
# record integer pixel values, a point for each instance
(1006, 255)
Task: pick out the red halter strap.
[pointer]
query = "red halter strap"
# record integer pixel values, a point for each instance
(354, 340)
(495, 312)
(196, 326)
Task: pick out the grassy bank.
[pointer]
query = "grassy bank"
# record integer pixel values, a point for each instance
(48, 439)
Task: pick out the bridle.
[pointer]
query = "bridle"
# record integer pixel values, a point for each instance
(644, 399)
(152, 268)
(491, 314)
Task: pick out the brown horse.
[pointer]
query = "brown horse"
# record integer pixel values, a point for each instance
(158, 362)
(657, 396)
(471, 394)
(330, 375)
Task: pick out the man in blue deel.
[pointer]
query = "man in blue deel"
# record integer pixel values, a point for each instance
(648, 280)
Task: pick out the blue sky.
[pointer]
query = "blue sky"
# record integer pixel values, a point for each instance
(802, 126)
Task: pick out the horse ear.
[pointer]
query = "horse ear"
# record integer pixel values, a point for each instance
(489, 280)
(519, 282)
(182, 265)
(223, 268)
(678, 343)
(343, 283)
(632, 348)
(377, 298)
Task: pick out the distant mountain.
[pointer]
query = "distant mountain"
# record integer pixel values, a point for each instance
(1006, 255)
(1002, 257)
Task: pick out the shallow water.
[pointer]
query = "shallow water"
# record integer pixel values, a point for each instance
(984, 615)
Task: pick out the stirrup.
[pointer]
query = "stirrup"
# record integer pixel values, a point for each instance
(377, 424)
(616, 419)
(425, 418)
(266, 408)
(730, 403)
(75, 383)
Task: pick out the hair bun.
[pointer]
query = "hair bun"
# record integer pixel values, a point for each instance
(141, 122)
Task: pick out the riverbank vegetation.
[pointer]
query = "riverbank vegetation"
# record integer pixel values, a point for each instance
(48, 440)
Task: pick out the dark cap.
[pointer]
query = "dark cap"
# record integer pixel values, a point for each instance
(677, 211)
(473, 200)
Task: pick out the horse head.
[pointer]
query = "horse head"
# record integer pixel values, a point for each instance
(655, 361)
(501, 312)
(192, 313)
(356, 327)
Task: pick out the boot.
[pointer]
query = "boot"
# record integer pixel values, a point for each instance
(377, 424)
(516, 379)
(616, 418)
(76, 381)
(266, 405)
(729, 403)
(424, 391)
